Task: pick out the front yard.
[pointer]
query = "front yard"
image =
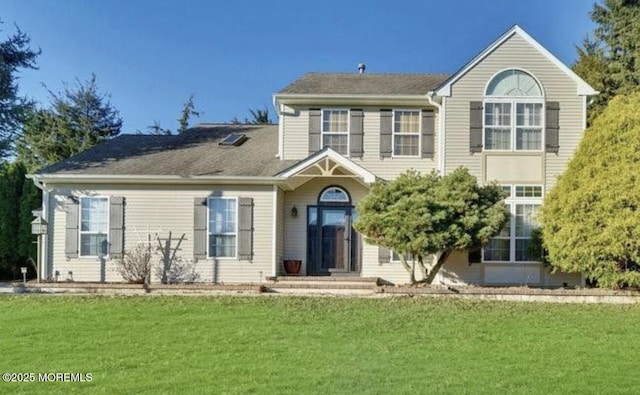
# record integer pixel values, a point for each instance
(297, 345)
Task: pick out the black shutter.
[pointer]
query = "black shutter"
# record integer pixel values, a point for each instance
(245, 229)
(315, 126)
(116, 227)
(199, 228)
(72, 221)
(386, 143)
(384, 255)
(475, 255)
(356, 134)
(552, 127)
(428, 133)
(475, 126)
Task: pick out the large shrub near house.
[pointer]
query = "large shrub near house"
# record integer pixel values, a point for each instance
(591, 219)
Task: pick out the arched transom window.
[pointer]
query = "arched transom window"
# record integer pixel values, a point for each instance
(513, 112)
(334, 195)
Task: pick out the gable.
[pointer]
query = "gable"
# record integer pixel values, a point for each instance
(516, 49)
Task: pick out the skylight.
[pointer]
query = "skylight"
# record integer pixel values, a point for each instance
(234, 139)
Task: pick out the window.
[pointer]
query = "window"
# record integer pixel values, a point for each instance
(223, 220)
(513, 112)
(406, 133)
(396, 258)
(334, 195)
(335, 130)
(94, 226)
(512, 243)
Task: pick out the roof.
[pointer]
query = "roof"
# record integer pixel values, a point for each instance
(193, 153)
(364, 84)
(582, 87)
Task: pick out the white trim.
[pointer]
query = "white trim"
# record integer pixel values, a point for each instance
(328, 152)
(583, 89)
(584, 113)
(45, 240)
(323, 133)
(394, 133)
(514, 101)
(274, 236)
(512, 201)
(80, 225)
(209, 198)
(442, 141)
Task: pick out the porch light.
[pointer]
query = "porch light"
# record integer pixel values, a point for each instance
(294, 212)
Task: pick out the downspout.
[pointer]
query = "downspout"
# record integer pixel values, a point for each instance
(45, 214)
(441, 133)
(279, 111)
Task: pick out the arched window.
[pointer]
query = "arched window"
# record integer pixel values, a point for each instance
(513, 112)
(334, 195)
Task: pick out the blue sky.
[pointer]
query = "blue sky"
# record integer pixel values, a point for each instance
(150, 55)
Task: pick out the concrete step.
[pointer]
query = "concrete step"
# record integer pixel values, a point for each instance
(325, 280)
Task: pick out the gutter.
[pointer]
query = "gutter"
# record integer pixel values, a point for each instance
(42, 179)
(279, 108)
(441, 131)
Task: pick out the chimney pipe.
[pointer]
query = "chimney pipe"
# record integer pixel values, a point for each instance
(361, 68)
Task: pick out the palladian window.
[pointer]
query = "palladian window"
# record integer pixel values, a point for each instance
(513, 113)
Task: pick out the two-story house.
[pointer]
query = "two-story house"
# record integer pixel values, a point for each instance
(246, 197)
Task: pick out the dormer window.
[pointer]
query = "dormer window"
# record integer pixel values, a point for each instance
(335, 130)
(513, 112)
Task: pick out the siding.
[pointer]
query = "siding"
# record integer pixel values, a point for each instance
(163, 209)
(296, 143)
(515, 52)
(280, 234)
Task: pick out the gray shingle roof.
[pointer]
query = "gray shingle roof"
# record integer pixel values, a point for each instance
(194, 153)
(365, 84)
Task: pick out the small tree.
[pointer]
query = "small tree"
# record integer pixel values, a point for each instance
(135, 264)
(591, 218)
(419, 215)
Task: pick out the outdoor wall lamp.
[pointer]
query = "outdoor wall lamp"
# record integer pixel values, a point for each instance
(294, 212)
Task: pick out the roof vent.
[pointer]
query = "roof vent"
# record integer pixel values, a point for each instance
(361, 68)
(234, 140)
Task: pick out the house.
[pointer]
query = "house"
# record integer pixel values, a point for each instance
(247, 197)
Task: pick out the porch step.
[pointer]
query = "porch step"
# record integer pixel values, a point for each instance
(322, 284)
(325, 280)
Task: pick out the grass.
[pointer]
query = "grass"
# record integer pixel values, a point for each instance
(263, 345)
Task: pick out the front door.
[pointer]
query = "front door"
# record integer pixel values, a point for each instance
(332, 241)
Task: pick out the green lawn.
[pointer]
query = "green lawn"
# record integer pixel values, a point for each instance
(318, 345)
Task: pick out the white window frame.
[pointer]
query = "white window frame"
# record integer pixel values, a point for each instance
(514, 100)
(512, 201)
(394, 133)
(324, 133)
(81, 232)
(209, 234)
(513, 127)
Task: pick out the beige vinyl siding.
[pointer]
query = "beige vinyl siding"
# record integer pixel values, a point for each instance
(295, 246)
(296, 143)
(162, 209)
(514, 53)
(295, 134)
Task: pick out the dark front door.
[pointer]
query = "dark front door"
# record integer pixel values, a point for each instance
(332, 242)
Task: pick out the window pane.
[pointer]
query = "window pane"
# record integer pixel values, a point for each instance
(406, 122)
(522, 250)
(93, 214)
(498, 139)
(337, 142)
(498, 114)
(528, 191)
(497, 250)
(525, 219)
(222, 246)
(335, 121)
(528, 139)
(222, 216)
(93, 245)
(406, 145)
(529, 114)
